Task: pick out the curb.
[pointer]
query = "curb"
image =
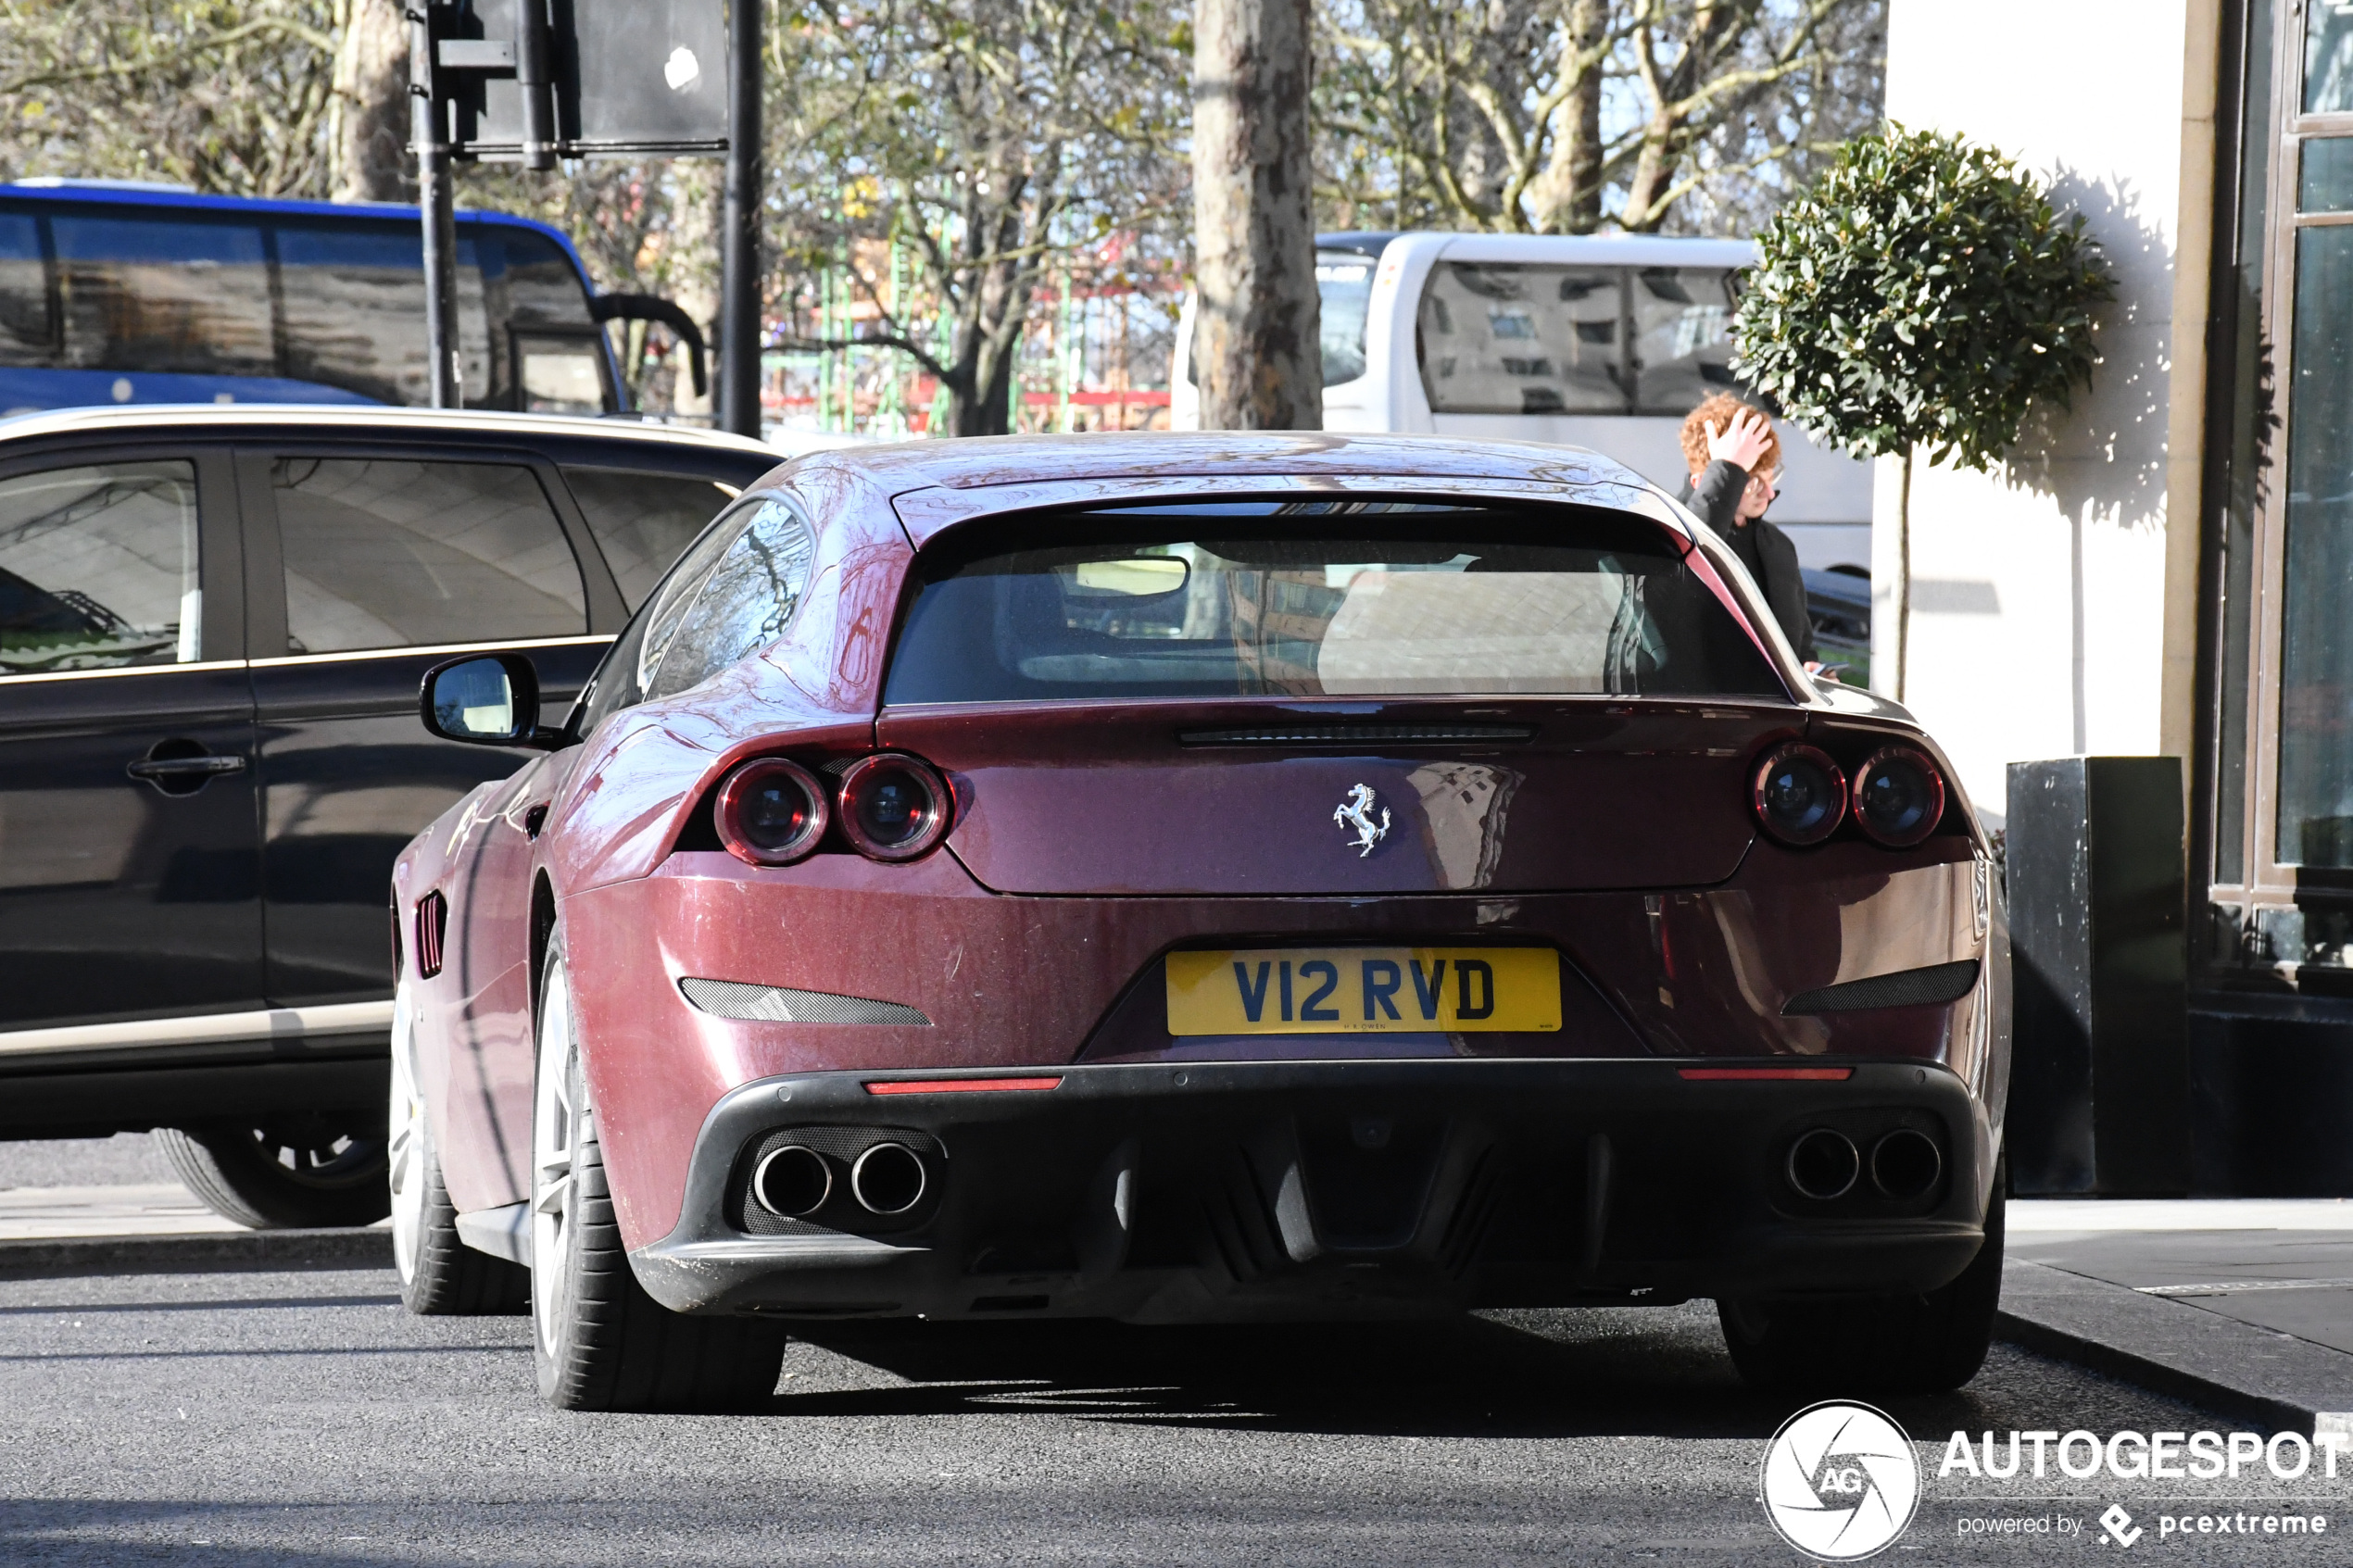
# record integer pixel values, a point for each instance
(2261, 1410)
(2265, 1378)
(355, 1248)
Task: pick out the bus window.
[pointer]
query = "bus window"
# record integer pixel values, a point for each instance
(141, 294)
(1510, 339)
(1682, 336)
(1344, 285)
(27, 334)
(542, 290)
(558, 375)
(352, 322)
(301, 298)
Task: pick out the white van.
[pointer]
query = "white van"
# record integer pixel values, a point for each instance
(1525, 336)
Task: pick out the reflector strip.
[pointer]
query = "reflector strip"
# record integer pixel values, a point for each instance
(1705, 1074)
(959, 1085)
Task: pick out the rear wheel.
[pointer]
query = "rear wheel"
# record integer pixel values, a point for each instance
(440, 1275)
(1912, 1344)
(291, 1170)
(600, 1341)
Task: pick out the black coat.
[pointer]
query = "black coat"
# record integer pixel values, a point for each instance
(1768, 553)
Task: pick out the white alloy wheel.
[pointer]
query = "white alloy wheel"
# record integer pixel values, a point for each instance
(600, 1342)
(406, 1149)
(558, 1125)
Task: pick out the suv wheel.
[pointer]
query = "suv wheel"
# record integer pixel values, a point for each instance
(285, 1172)
(600, 1341)
(1916, 1344)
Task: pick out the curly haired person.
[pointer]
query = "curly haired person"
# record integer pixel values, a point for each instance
(1735, 461)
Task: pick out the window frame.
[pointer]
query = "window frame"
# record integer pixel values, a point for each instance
(220, 573)
(2236, 938)
(265, 591)
(750, 508)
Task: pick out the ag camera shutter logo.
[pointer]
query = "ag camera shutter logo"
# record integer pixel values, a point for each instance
(1840, 1481)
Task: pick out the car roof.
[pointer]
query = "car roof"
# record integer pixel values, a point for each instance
(981, 462)
(148, 418)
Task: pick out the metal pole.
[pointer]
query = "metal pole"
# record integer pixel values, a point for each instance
(1063, 366)
(535, 76)
(429, 126)
(739, 241)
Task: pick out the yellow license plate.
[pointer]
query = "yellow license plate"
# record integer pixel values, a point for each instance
(1361, 990)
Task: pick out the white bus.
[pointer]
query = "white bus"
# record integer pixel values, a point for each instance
(1605, 341)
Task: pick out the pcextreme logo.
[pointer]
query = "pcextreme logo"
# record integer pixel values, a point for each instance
(1840, 1481)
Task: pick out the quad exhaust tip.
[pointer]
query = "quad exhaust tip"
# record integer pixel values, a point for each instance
(793, 1183)
(1823, 1164)
(887, 1179)
(1906, 1163)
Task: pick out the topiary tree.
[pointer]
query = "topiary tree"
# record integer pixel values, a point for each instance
(1922, 295)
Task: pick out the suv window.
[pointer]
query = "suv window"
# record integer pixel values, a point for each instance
(389, 553)
(98, 567)
(643, 522)
(746, 603)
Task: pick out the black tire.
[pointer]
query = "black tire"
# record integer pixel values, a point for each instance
(441, 1277)
(1913, 1344)
(599, 1342)
(289, 1173)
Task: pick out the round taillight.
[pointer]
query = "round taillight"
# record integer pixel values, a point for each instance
(893, 808)
(1899, 796)
(771, 812)
(1799, 794)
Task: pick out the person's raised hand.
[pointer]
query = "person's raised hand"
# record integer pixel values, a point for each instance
(1743, 442)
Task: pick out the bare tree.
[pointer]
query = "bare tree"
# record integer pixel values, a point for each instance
(371, 117)
(989, 139)
(1564, 116)
(218, 95)
(1255, 322)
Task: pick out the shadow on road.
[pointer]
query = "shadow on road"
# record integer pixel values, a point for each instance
(1597, 1373)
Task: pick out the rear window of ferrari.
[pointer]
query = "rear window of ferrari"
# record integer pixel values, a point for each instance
(1316, 598)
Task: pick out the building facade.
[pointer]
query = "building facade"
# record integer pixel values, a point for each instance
(2167, 569)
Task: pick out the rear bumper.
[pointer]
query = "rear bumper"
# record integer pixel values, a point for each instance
(1239, 1191)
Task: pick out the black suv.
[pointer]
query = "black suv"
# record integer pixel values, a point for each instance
(212, 626)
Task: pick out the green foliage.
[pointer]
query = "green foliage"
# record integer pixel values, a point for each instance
(1924, 294)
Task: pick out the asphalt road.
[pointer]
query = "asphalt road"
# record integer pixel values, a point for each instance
(302, 1417)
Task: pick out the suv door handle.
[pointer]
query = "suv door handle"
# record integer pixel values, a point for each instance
(180, 767)
(186, 772)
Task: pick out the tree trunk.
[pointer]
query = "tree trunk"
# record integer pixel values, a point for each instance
(370, 131)
(1568, 195)
(1255, 331)
(1903, 573)
(988, 350)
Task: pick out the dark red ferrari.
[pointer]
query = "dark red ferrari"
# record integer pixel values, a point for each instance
(1199, 878)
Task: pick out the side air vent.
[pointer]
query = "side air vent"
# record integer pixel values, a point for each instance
(432, 923)
(1932, 986)
(775, 1004)
(1360, 734)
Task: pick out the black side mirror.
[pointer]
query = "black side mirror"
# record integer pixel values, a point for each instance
(485, 699)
